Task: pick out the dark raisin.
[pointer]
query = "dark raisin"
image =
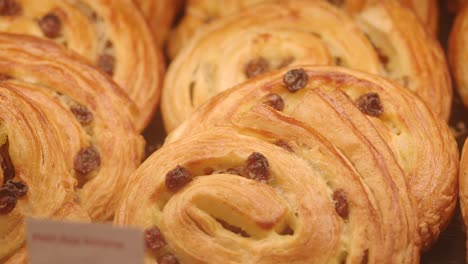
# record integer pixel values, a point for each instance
(5, 77)
(338, 61)
(107, 63)
(6, 163)
(168, 259)
(336, 2)
(295, 80)
(233, 229)
(341, 203)
(86, 161)
(256, 67)
(287, 231)
(275, 101)
(370, 104)
(154, 238)
(382, 57)
(82, 114)
(7, 201)
(177, 178)
(9, 8)
(50, 25)
(283, 144)
(365, 257)
(19, 189)
(256, 167)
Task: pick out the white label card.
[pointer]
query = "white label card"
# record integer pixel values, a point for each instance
(72, 243)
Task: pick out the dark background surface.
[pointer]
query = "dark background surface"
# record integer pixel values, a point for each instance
(450, 248)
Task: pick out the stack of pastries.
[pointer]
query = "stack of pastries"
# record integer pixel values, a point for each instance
(298, 131)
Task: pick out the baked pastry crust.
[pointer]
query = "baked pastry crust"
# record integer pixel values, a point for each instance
(420, 142)
(86, 108)
(383, 39)
(221, 217)
(159, 14)
(201, 12)
(464, 186)
(458, 53)
(111, 34)
(31, 153)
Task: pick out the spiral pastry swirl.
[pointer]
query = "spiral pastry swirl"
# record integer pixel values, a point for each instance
(271, 35)
(35, 180)
(111, 34)
(201, 12)
(86, 109)
(239, 195)
(337, 103)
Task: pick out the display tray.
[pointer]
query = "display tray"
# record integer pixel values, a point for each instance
(450, 247)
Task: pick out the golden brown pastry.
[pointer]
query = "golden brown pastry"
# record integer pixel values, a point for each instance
(464, 186)
(111, 34)
(282, 195)
(159, 14)
(35, 180)
(201, 12)
(384, 39)
(338, 103)
(86, 108)
(458, 53)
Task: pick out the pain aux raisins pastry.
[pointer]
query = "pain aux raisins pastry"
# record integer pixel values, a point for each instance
(111, 34)
(239, 195)
(201, 12)
(458, 53)
(350, 109)
(35, 179)
(274, 35)
(86, 108)
(159, 14)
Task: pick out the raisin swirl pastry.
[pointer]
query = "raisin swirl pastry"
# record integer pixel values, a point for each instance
(234, 195)
(85, 107)
(458, 53)
(111, 34)
(201, 12)
(159, 14)
(384, 39)
(35, 180)
(337, 102)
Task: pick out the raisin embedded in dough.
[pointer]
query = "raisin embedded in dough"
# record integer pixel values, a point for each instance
(51, 25)
(87, 160)
(177, 178)
(107, 63)
(154, 238)
(275, 101)
(341, 203)
(256, 67)
(9, 8)
(82, 114)
(257, 167)
(7, 201)
(370, 104)
(295, 80)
